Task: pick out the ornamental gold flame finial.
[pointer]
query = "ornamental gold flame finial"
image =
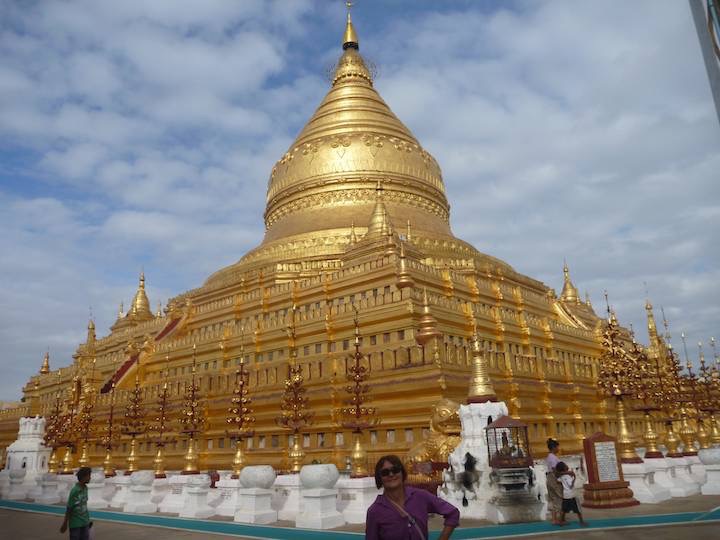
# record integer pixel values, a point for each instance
(192, 421)
(356, 416)
(240, 413)
(294, 403)
(618, 377)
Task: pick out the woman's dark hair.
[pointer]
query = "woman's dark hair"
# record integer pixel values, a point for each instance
(83, 472)
(552, 444)
(561, 466)
(394, 461)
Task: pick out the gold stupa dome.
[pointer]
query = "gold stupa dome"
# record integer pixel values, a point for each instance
(325, 186)
(140, 308)
(327, 178)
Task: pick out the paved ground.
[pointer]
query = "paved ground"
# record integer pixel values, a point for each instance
(22, 525)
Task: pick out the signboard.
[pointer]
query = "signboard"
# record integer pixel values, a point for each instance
(606, 487)
(607, 462)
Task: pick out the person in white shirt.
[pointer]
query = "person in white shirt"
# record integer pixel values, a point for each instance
(569, 502)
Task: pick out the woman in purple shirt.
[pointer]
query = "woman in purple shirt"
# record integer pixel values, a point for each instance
(401, 512)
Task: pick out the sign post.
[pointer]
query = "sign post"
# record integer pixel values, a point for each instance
(606, 487)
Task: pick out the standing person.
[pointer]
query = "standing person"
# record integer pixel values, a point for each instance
(554, 488)
(569, 502)
(77, 516)
(401, 512)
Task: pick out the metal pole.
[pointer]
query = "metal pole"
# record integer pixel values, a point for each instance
(711, 62)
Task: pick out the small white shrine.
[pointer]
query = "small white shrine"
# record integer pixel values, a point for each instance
(28, 453)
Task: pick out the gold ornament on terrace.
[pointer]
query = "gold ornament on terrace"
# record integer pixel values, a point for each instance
(85, 418)
(134, 422)
(294, 403)
(161, 425)
(53, 433)
(687, 403)
(428, 325)
(192, 420)
(709, 402)
(649, 394)
(670, 398)
(240, 413)
(69, 431)
(618, 377)
(355, 415)
(481, 387)
(110, 436)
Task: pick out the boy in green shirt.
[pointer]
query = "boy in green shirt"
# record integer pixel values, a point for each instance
(77, 515)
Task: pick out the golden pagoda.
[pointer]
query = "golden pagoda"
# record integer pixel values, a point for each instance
(336, 200)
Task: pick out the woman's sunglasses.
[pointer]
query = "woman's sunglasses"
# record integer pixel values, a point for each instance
(392, 470)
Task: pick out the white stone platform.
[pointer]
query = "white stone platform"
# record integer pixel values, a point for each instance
(710, 457)
(140, 499)
(642, 482)
(174, 499)
(286, 496)
(319, 498)
(254, 503)
(97, 491)
(196, 492)
(355, 495)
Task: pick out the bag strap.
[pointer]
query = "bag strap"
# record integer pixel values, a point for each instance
(404, 513)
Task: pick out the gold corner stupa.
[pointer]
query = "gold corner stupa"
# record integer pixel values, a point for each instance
(354, 176)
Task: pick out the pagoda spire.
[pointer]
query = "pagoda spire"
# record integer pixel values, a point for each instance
(428, 324)
(652, 327)
(379, 222)
(140, 308)
(45, 369)
(481, 386)
(569, 291)
(90, 341)
(350, 39)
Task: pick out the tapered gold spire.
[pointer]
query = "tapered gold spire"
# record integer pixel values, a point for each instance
(350, 39)
(379, 222)
(428, 325)
(90, 340)
(404, 278)
(652, 327)
(140, 308)
(45, 369)
(569, 291)
(481, 387)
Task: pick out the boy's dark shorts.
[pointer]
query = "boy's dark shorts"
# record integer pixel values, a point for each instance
(80, 533)
(570, 505)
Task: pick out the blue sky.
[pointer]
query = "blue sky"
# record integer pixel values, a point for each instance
(141, 135)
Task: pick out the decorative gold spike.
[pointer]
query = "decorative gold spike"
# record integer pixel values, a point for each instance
(428, 325)
(481, 387)
(45, 368)
(404, 278)
(350, 39)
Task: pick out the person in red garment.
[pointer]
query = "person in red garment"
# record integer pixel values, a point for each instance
(401, 512)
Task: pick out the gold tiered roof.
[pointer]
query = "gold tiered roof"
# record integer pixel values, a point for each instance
(327, 180)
